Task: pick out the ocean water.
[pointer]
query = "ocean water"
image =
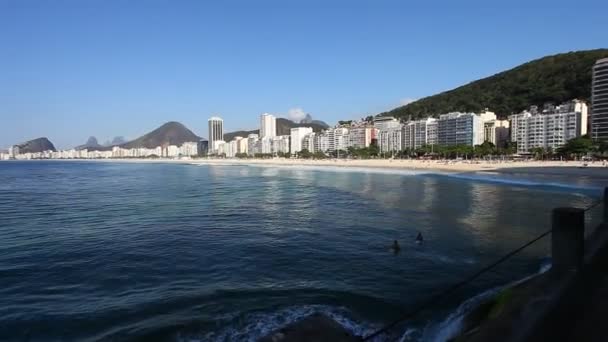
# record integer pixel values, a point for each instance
(178, 252)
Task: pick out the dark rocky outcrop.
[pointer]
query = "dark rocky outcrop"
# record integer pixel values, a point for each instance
(171, 133)
(36, 145)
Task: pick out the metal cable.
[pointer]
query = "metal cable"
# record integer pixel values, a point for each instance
(453, 288)
(431, 301)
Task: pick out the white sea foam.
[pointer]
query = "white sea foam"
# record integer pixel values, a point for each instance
(451, 326)
(253, 326)
(480, 176)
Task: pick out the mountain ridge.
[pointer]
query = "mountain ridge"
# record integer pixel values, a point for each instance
(169, 133)
(36, 145)
(555, 78)
(283, 127)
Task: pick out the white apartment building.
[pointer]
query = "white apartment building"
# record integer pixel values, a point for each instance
(188, 149)
(321, 143)
(253, 144)
(218, 147)
(391, 140)
(280, 144)
(337, 139)
(242, 145)
(297, 136)
(419, 133)
(308, 143)
(496, 132)
(550, 128)
(268, 124)
(384, 123)
(266, 145)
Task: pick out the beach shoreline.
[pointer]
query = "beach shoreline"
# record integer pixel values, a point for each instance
(565, 168)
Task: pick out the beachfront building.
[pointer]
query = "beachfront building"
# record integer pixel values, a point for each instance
(599, 100)
(308, 143)
(242, 145)
(216, 131)
(253, 144)
(416, 134)
(496, 132)
(268, 124)
(218, 147)
(361, 137)
(266, 145)
(188, 149)
(385, 123)
(460, 129)
(391, 140)
(297, 136)
(550, 128)
(337, 139)
(280, 144)
(321, 142)
(13, 151)
(203, 147)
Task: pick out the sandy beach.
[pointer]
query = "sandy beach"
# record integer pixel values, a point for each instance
(596, 169)
(575, 168)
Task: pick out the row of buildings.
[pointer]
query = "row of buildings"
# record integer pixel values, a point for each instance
(187, 149)
(549, 128)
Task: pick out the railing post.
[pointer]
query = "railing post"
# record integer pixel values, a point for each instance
(605, 205)
(567, 239)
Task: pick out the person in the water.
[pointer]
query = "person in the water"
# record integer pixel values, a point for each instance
(395, 247)
(419, 238)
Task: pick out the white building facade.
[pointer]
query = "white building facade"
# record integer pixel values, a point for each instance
(297, 136)
(550, 128)
(268, 124)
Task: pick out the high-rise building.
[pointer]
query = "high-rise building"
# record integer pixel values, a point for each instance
(253, 144)
(203, 147)
(384, 123)
(361, 137)
(297, 136)
(460, 129)
(280, 144)
(216, 131)
(496, 132)
(551, 128)
(599, 100)
(268, 125)
(416, 134)
(308, 143)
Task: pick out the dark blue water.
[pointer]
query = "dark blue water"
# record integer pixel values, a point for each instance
(122, 251)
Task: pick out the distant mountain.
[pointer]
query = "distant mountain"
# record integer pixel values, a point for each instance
(308, 120)
(91, 145)
(171, 133)
(556, 79)
(36, 145)
(116, 141)
(283, 126)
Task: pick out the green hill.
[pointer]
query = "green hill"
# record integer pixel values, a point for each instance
(556, 78)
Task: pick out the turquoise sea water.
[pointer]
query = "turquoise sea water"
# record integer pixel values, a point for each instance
(124, 251)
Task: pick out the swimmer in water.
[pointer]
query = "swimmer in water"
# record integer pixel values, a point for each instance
(419, 238)
(395, 247)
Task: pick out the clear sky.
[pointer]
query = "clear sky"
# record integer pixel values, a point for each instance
(72, 69)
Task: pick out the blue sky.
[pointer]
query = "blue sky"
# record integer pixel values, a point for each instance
(72, 69)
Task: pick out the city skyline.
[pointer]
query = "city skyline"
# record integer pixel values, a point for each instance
(129, 68)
